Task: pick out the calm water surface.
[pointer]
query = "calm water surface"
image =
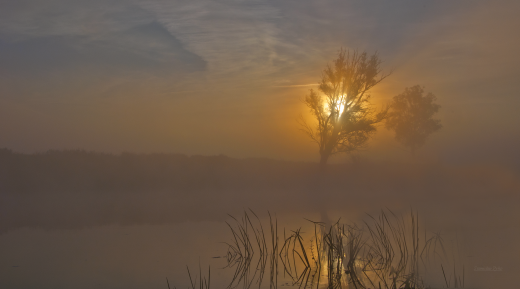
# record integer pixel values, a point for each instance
(143, 256)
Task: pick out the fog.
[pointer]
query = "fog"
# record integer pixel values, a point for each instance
(70, 197)
(131, 131)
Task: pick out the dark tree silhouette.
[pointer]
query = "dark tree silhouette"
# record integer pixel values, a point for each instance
(341, 106)
(411, 117)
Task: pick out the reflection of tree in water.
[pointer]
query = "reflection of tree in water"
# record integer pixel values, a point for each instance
(384, 252)
(411, 117)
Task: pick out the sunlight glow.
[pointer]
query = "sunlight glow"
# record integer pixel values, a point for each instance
(339, 105)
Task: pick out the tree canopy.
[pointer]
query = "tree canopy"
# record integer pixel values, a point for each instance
(345, 118)
(411, 117)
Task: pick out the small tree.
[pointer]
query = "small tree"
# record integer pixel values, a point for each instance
(411, 117)
(341, 105)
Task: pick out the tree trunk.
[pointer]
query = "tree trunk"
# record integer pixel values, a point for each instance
(323, 160)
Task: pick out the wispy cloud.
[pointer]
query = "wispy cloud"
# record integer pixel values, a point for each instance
(29, 18)
(234, 37)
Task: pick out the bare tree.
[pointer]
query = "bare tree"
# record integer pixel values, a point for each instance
(341, 106)
(411, 117)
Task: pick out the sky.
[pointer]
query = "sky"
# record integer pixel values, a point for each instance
(229, 77)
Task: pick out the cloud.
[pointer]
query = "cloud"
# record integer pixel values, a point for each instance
(29, 18)
(236, 38)
(147, 47)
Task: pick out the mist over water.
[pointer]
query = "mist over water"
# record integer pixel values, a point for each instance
(211, 77)
(82, 220)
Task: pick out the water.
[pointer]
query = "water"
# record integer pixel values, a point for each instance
(143, 256)
(114, 256)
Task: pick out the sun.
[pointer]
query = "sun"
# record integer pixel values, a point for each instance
(339, 104)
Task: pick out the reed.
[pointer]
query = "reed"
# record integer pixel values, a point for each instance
(385, 251)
